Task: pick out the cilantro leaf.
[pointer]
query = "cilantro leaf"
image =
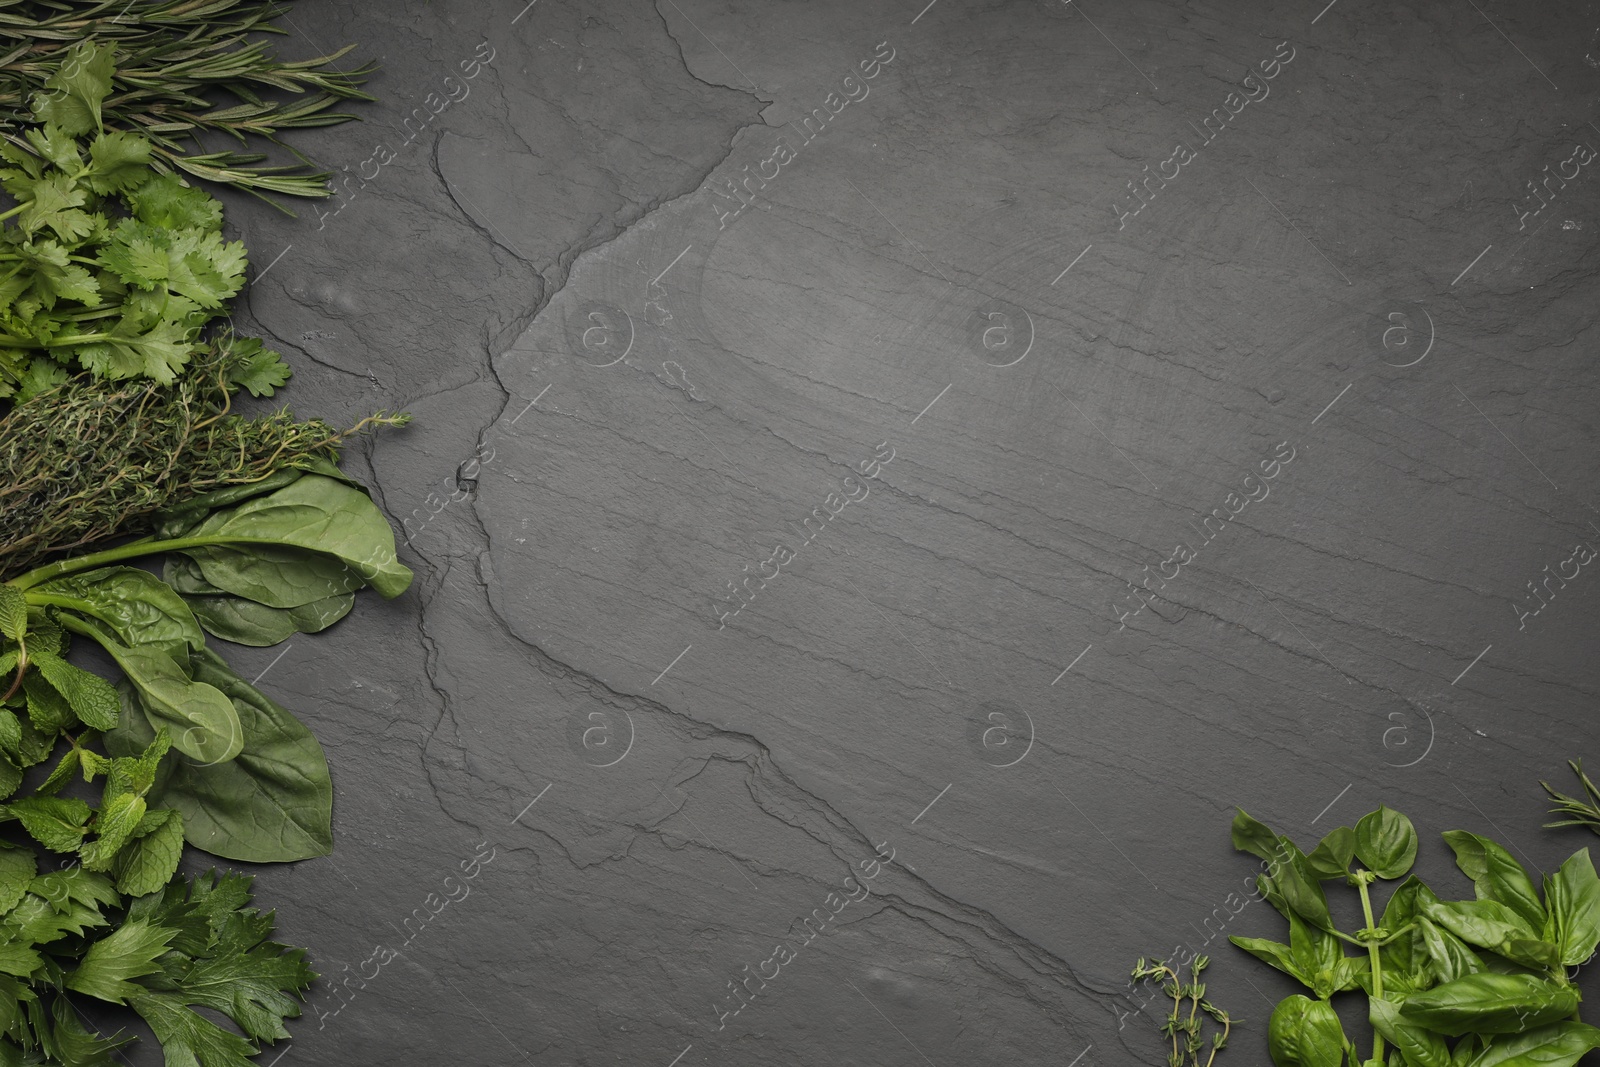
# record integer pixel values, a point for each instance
(118, 161)
(54, 202)
(73, 93)
(167, 202)
(41, 376)
(130, 951)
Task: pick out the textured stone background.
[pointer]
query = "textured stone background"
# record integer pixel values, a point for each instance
(553, 240)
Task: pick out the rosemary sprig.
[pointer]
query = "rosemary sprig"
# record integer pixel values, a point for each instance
(1584, 813)
(172, 57)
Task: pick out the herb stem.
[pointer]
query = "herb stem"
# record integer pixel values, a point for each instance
(1363, 879)
(143, 546)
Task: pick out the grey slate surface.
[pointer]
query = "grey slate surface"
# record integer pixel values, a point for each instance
(627, 396)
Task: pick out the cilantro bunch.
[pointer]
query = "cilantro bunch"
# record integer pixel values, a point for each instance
(105, 265)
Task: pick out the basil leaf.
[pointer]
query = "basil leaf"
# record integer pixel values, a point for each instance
(1386, 843)
(1274, 954)
(138, 606)
(1316, 953)
(1494, 926)
(1305, 1033)
(1331, 858)
(1561, 1045)
(1301, 890)
(1419, 1046)
(323, 515)
(1496, 876)
(204, 724)
(271, 803)
(1254, 837)
(1573, 897)
(1489, 1004)
(1448, 956)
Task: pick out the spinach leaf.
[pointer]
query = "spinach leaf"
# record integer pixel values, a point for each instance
(320, 514)
(275, 576)
(1386, 843)
(1496, 876)
(203, 721)
(273, 802)
(138, 606)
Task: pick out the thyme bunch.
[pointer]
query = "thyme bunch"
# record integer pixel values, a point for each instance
(1185, 1031)
(92, 460)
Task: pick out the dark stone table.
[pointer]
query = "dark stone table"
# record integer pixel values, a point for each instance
(884, 485)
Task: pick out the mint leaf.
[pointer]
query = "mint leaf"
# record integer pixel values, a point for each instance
(148, 863)
(119, 817)
(17, 871)
(13, 613)
(57, 823)
(92, 698)
(130, 951)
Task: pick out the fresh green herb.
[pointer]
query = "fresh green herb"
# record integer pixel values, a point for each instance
(105, 266)
(90, 460)
(155, 66)
(1582, 812)
(188, 944)
(1490, 973)
(259, 561)
(1187, 1042)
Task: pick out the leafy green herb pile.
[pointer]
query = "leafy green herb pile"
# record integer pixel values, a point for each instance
(108, 267)
(185, 944)
(119, 451)
(1457, 983)
(1187, 1042)
(171, 57)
